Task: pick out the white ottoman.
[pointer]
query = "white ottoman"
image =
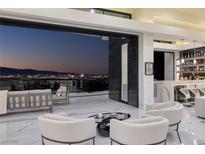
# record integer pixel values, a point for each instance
(200, 107)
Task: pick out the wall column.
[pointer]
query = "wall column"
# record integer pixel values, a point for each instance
(146, 82)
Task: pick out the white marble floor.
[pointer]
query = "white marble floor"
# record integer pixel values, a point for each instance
(22, 128)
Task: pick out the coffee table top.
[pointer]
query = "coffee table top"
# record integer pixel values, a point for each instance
(103, 121)
(111, 115)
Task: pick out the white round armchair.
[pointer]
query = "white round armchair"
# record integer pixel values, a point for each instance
(152, 130)
(58, 129)
(172, 111)
(200, 107)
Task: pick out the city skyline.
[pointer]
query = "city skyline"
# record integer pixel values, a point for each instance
(40, 49)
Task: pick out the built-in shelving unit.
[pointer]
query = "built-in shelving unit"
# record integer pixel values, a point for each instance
(191, 64)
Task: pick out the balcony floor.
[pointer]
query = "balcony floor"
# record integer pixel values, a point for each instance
(22, 128)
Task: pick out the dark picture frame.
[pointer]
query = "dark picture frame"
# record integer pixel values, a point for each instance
(149, 68)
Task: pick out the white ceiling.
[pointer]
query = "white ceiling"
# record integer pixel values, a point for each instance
(200, 13)
(189, 18)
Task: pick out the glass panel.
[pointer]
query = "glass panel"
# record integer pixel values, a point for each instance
(124, 71)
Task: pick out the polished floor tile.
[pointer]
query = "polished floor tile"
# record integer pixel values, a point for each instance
(22, 128)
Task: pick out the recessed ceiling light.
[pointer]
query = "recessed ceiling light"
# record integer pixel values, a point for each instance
(92, 11)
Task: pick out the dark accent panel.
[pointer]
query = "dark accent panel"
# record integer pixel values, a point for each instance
(159, 65)
(133, 71)
(114, 68)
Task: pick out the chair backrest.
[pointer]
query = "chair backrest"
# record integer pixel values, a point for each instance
(63, 88)
(202, 90)
(185, 92)
(61, 91)
(143, 131)
(65, 129)
(40, 98)
(196, 92)
(59, 117)
(160, 105)
(173, 114)
(17, 99)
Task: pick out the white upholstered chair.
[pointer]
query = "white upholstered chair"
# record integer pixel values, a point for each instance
(186, 96)
(62, 95)
(200, 107)
(61, 91)
(195, 92)
(58, 129)
(202, 90)
(152, 130)
(172, 111)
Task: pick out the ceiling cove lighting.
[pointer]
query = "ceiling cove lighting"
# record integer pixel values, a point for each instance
(182, 43)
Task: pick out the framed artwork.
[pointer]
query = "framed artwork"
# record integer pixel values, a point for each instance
(149, 67)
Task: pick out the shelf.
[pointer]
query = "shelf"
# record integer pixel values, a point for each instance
(191, 65)
(203, 57)
(196, 72)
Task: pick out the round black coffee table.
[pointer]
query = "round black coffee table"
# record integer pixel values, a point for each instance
(103, 121)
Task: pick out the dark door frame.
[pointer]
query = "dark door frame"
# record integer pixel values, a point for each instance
(173, 60)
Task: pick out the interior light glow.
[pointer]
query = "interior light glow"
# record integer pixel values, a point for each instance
(92, 11)
(182, 43)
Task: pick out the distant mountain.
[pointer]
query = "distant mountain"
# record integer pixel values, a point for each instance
(15, 71)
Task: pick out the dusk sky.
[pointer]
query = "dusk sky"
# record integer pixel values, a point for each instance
(52, 50)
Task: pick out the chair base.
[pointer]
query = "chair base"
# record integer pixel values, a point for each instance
(177, 130)
(50, 110)
(188, 105)
(69, 143)
(164, 141)
(187, 102)
(201, 117)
